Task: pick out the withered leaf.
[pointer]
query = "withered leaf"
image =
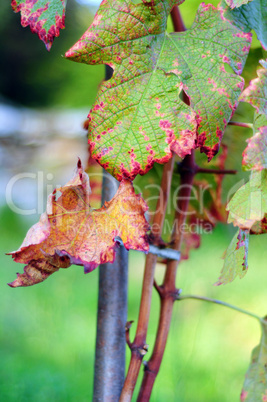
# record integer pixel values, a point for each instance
(71, 232)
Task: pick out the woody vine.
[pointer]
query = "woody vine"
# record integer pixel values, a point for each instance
(169, 97)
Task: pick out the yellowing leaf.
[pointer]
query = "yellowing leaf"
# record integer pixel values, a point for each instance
(256, 92)
(235, 258)
(255, 385)
(71, 232)
(249, 204)
(255, 154)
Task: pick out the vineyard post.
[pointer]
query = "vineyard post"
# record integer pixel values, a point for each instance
(112, 313)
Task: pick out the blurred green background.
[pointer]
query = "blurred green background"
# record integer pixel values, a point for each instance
(47, 332)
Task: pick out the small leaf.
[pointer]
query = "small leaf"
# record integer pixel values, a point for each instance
(249, 16)
(45, 17)
(71, 232)
(255, 154)
(249, 203)
(235, 258)
(138, 117)
(256, 92)
(255, 385)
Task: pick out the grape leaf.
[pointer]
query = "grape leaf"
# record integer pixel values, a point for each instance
(235, 258)
(256, 92)
(45, 17)
(236, 3)
(254, 158)
(249, 16)
(255, 154)
(249, 204)
(71, 232)
(138, 117)
(255, 384)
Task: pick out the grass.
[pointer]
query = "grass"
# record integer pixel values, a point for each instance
(47, 336)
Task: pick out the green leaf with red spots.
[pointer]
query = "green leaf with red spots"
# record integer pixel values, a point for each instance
(236, 3)
(45, 17)
(71, 232)
(255, 154)
(255, 384)
(256, 92)
(235, 258)
(249, 204)
(249, 16)
(138, 117)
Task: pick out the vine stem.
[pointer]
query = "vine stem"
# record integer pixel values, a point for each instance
(138, 346)
(237, 123)
(167, 291)
(222, 303)
(215, 171)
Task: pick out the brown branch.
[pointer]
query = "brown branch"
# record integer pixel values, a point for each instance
(157, 287)
(216, 171)
(178, 23)
(197, 169)
(168, 291)
(127, 333)
(138, 346)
